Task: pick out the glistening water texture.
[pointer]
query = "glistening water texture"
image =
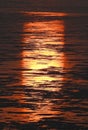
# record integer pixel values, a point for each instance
(43, 71)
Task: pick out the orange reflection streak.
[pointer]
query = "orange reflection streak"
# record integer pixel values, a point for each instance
(40, 35)
(46, 13)
(23, 115)
(44, 32)
(42, 62)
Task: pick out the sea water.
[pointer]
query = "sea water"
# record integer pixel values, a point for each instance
(43, 71)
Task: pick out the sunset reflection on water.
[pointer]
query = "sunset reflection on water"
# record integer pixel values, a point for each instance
(42, 62)
(43, 71)
(39, 54)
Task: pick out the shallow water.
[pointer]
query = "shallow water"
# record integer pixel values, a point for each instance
(43, 71)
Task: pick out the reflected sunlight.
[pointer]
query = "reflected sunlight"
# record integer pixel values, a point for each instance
(42, 63)
(43, 74)
(39, 54)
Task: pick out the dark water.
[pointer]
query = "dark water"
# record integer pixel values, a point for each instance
(43, 71)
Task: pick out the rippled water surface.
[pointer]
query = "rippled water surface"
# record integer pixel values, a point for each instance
(43, 71)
